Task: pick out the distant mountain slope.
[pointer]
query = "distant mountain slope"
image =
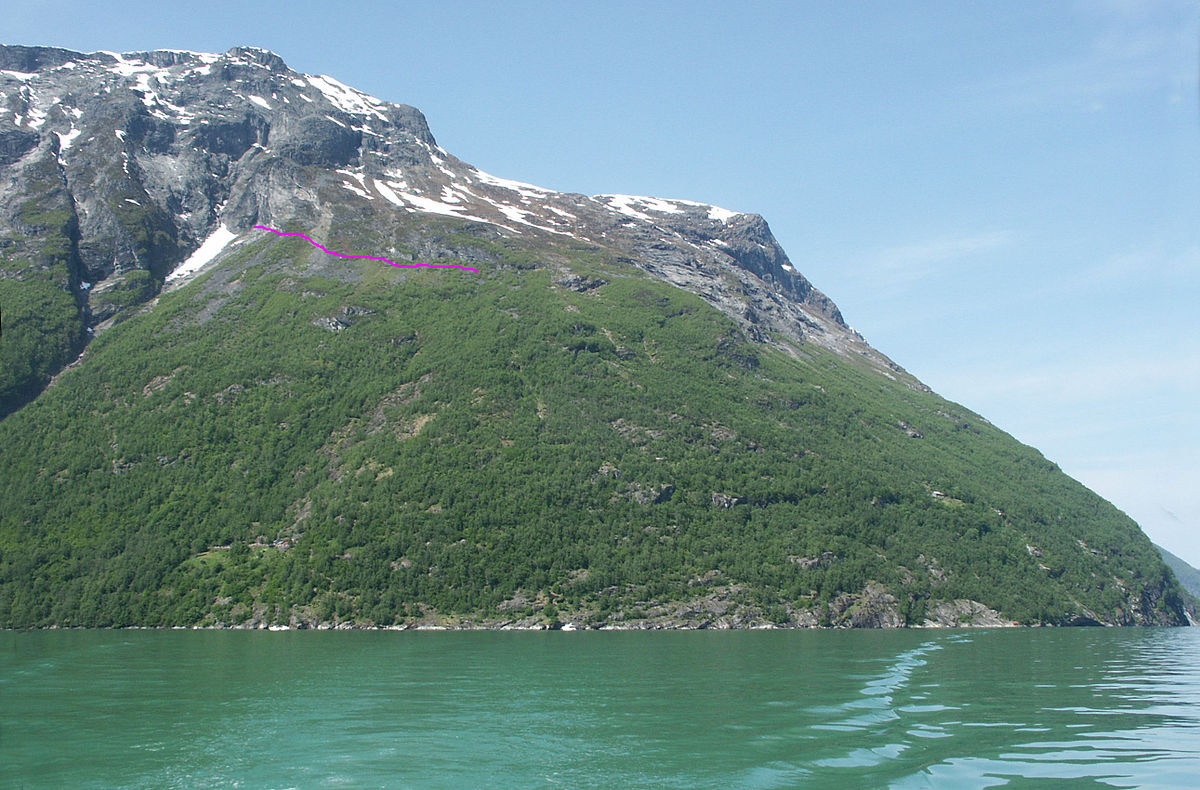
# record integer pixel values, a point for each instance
(636, 414)
(1188, 576)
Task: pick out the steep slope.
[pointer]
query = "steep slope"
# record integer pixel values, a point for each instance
(1188, 576)
(634, 412)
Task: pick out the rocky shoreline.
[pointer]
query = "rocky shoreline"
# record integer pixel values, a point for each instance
(714, 612)
(721, 609)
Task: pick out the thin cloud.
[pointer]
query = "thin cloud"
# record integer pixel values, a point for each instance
(905, 264)
(1170, 515)
(1147, 263)
(1059, 381)
(1138, 47)
(1160, 495)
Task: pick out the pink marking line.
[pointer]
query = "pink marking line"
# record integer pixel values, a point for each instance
(370, 257)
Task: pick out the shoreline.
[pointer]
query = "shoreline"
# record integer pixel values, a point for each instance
(572, 627)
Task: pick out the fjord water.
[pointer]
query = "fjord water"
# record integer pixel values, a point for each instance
(1078, 707)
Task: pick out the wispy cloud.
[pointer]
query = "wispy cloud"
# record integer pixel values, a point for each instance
(1159, 493)
(1137, 47)
(1059, 380)
(1123, 424)
(1153, 262)
(905, 264)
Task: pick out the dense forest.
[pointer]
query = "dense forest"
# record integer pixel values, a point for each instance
(275, 444)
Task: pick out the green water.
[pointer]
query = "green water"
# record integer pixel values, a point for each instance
(1041, 707)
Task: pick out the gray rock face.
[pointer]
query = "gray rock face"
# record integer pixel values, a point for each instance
(725, 500)
(15, 143)
(652, 495)
(26, 59)
(154, 151)
(961, 613)
(316, 140)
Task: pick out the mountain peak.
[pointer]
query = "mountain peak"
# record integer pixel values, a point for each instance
(263, 57)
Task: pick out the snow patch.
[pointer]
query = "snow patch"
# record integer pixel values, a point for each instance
(260, 101)
(519, 216)
(358, 190)
(205, 253)
(153, 101)
(346, 98)
(388, 194)
(18, 75)
(120, 133)
(127, 67)
(636, 206)
(511, 212)
(396, 179)
(358, 176)
(431, 206)
(515, 214)
(649, 204)
(714, 212)
(624, 204)
(65, 140)
(361, 189)
(149, 95)
(36, 118)
(520, 187)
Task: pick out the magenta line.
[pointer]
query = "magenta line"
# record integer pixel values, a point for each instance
(369, 257)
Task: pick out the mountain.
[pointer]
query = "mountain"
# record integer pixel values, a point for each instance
(1188, 576)
(270, 355)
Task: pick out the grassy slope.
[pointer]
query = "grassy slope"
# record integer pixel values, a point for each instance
(468, 441)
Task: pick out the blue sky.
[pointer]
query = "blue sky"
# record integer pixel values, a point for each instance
(1003, 197)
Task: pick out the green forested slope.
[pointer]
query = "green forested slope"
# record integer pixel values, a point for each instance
(1188, 576)
(391, 448)
(42, 328)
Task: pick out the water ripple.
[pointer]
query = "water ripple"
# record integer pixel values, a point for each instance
(1101, 707)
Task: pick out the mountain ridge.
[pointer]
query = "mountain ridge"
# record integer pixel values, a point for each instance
(167, 132)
